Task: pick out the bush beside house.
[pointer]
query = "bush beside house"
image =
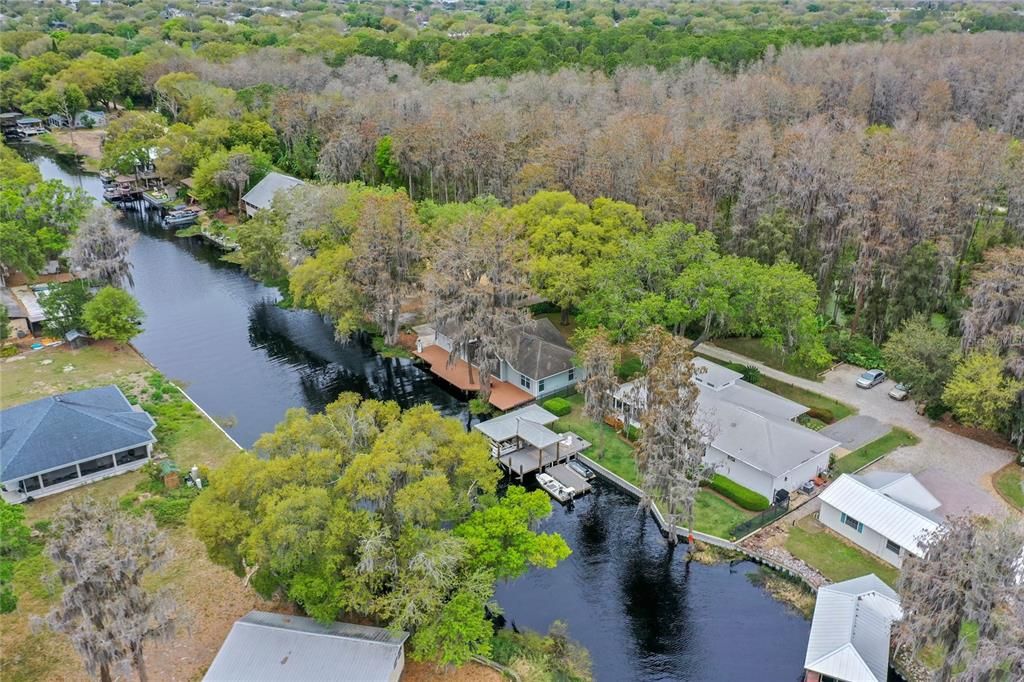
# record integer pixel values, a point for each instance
(557, 406)
(744, 497)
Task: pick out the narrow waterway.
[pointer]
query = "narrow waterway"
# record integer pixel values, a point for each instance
(641, 610)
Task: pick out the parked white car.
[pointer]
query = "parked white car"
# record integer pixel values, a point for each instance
(870, 378)
(899, 392)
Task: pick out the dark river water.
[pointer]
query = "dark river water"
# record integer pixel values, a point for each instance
(641, 610)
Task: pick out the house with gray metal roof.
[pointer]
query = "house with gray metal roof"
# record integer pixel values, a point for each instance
(272, 647)
(261, 196)
(888, 514)
(64, 441)
(850, 632)
(539, 363)
(754, 440)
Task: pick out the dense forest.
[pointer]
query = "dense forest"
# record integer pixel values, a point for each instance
(886, 170)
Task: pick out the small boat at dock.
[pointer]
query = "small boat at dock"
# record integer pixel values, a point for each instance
(180, 217)
(560, 492)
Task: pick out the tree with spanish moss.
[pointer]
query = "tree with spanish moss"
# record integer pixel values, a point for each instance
(100, 250)
(104, 557)
(673, 435)
(963, 595)
(598, 358)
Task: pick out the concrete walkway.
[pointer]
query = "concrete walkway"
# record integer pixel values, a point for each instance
(960, 458)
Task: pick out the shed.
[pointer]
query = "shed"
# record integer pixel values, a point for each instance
(272, 647)
(849, 639)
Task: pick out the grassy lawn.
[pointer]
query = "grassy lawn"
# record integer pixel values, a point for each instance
(835, 558)
(185, 435)
(805, 397)
(755, 348)
(1009, 481)
(713, 513)
(556, 319)
(877, 448)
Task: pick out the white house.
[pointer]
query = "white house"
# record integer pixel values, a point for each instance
(262, 194)
(850, 632)
(755, 441)
(540, 363)
(64, 441)
(888, 514)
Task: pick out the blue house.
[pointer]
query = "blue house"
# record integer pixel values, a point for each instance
(64, 441)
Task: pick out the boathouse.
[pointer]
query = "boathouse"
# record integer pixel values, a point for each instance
(522, 442)
(261, 196)
(272, 647)
(65, 441)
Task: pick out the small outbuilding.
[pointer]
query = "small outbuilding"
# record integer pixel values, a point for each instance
(850, 631)
(261, 196)
(888, 514)
(272, 647)
(64, 441)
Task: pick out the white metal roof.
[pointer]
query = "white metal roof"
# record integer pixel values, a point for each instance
(506, 426)
(897, 521)
(271, 647)
(849, 637)
(262, 193)
(714, 375)
(901, 487)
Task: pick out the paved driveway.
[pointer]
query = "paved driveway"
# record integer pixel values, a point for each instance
(856, 430)
(961, 458)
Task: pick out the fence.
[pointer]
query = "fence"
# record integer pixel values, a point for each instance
(744, 528)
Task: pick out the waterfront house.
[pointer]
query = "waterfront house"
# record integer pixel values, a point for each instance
(83, 119)
(540, 364)
(64, 441)
(272, 647)
(888, 514)
(261, 196)
(851, 630)
(754, 438)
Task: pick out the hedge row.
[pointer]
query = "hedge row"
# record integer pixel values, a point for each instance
(557, 406)
(744, 497)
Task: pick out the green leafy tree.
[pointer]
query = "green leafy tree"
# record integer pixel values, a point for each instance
(567, 237)
(223, 177)
(14, 544)
(980, 392)
(386, 162)
(318, 283)
(130, 138)
(922, 357)
(64, 307)
(113, 314)
(262, 247)
(389, 514)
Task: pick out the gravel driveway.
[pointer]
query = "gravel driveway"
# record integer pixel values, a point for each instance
(856, 430)
(961, 458)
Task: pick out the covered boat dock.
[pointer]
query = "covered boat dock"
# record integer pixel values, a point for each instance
(522, 442)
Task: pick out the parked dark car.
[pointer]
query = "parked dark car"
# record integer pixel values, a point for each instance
(870, 378)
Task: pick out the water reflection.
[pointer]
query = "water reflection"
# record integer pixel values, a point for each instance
(640, 609)
(241, 356)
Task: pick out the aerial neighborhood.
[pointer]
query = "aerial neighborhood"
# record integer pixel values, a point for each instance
(382, 342)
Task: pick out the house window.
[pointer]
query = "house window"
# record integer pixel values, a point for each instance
(60, 475)
(525, 382)
(852, 523)
(892, 547)
(95, 465)
(540, 386)
(133, 455)
(27, 485)
(572, 374)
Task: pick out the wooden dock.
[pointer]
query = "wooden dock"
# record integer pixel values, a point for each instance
(569, 478)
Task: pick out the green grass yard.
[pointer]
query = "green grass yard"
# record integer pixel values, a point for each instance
(1009, 481)
(832, 556)
(875, 449)
(811, 399)
(713, 513)
(755, 348)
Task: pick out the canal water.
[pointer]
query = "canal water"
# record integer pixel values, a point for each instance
(641, 610)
